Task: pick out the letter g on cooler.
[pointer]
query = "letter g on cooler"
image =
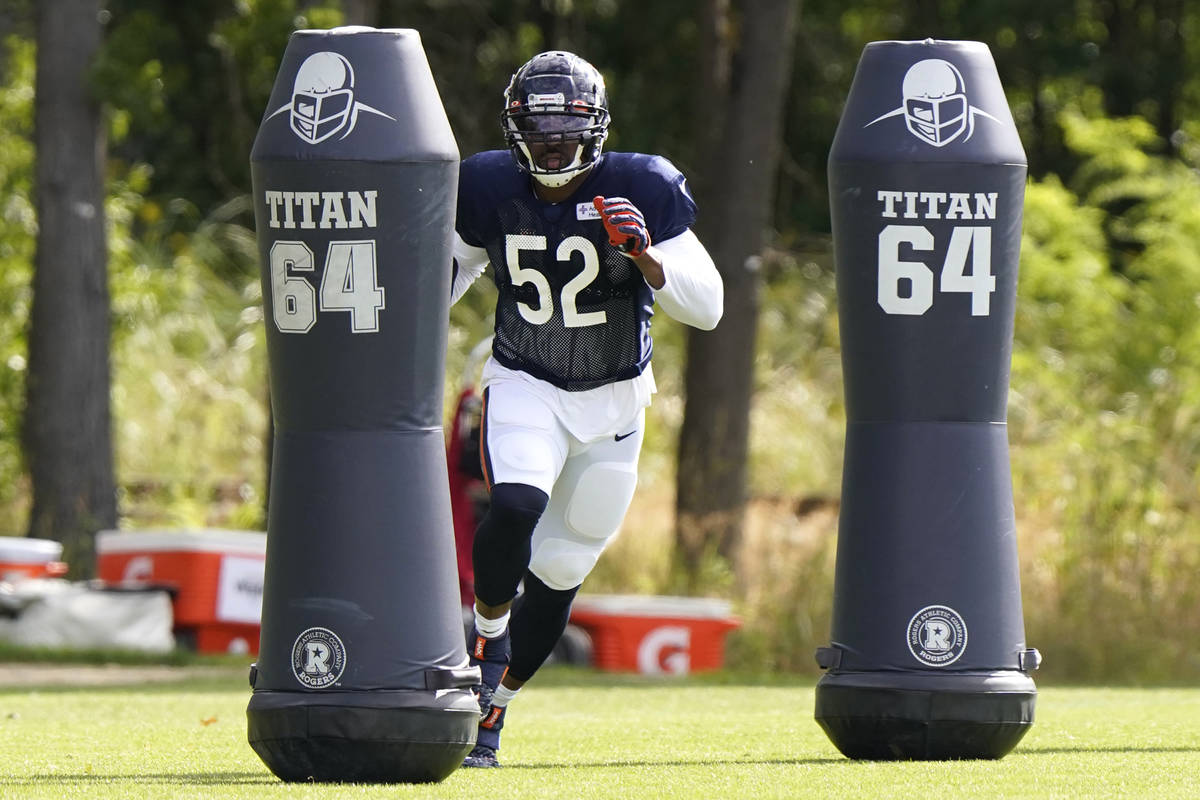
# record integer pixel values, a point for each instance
(665, 651)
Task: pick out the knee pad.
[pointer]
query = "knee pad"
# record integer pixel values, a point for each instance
(521, 456)
(601, 497)
(562, 563)
(583, 518)
(522, 441)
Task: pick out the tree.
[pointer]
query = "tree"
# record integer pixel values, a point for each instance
(714, 439)
(1145, 70)
(67, 429)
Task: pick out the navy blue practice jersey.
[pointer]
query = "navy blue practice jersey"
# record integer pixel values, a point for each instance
(572, 310)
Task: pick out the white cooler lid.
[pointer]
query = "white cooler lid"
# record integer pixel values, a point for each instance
(204, 540)
(654, 606)
(23, 550)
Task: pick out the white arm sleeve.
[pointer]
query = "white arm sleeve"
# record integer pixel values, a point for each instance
(693, 293)
(471, 262)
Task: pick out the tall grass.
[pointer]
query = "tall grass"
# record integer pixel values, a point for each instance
(189, 388)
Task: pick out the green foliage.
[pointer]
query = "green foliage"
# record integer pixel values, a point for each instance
(189, 395)
(1105, 381)
(798, 414)
(187, 84)
(189, 398)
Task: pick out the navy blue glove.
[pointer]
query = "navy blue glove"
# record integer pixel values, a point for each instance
(625, 225)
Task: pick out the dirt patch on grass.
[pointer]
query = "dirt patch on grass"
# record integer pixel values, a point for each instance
(20, 675)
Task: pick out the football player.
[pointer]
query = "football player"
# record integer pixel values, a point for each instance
(582, 245)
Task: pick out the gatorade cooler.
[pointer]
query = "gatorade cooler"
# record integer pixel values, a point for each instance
(216, 578)
(655, 635)
(21, 558)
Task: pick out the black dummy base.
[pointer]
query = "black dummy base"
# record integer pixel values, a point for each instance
(380, 736)
(894, 716)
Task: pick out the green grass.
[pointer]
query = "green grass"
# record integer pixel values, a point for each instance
(583, 735)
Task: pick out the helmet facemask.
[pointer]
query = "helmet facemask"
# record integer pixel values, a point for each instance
(937, 121)
(531, 127)
(316, 117)
(556, 101)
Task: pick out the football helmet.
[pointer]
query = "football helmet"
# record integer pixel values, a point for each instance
(555, 99)
(322, 97)
(935, 101)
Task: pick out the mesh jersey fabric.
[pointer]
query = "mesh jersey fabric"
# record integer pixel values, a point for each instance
(586, 322)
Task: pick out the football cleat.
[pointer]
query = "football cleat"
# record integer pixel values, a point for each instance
(481, 756)
(483, 694)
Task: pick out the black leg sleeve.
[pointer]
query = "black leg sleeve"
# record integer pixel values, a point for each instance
(501, 550)
(536, 626)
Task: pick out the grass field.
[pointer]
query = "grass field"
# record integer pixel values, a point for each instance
(584, 735)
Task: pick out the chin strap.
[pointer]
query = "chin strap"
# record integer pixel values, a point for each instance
(558, 179)
(553, 180)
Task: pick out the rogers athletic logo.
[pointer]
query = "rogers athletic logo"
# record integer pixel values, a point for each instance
(323, 101)
(937, 636)
(318, 658)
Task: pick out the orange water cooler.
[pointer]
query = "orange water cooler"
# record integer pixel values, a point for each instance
(215, 576)
(655, 635)
(21, 557)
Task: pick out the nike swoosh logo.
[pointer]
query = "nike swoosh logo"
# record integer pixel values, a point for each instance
(621, 436)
